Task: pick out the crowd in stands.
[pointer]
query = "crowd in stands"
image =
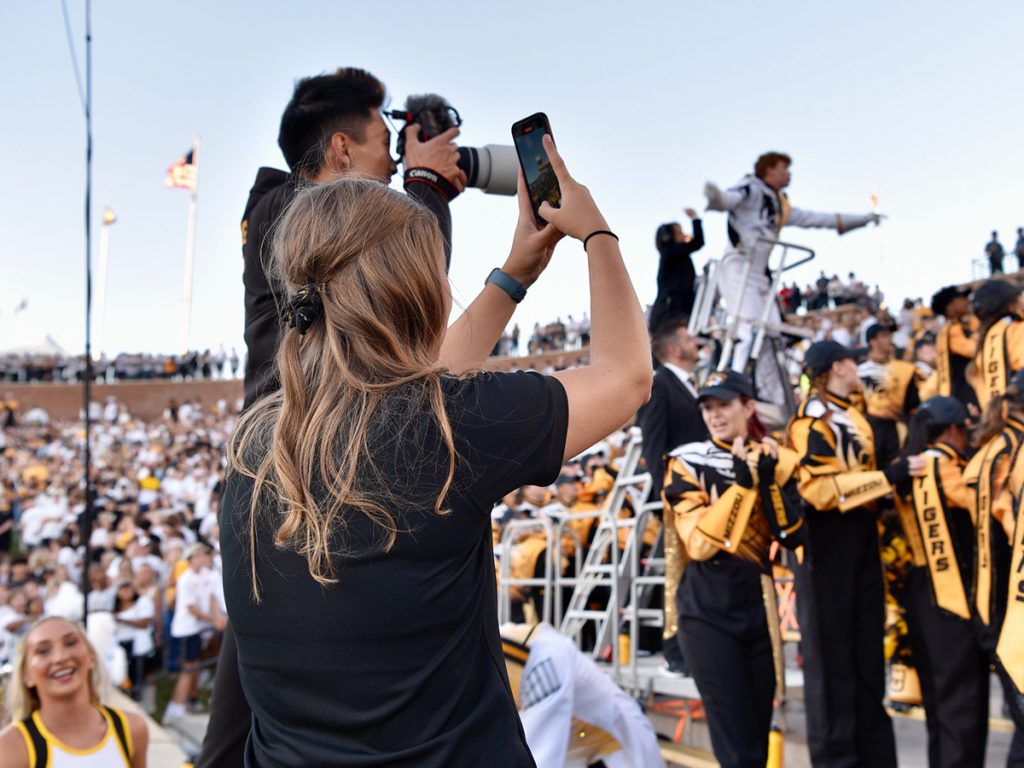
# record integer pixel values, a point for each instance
(152, 567)
(557, 336)
(830, 292)
(24, 368)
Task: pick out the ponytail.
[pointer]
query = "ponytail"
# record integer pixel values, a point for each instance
(993, 420)
(756, 430)
(921, 433)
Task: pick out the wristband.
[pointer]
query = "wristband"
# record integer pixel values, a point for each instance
(433, 179)
(515, 290)
(597, 232)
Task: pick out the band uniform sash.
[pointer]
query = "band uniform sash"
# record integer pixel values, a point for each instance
(983, 534)
(771, 612)
(993, 371)
(1010, 649)
(943, 571)
(785, 209)
(908, 520)
(943, 367)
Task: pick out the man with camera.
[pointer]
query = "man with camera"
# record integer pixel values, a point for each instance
(331, 126)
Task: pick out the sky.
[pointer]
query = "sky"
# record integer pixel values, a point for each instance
(917, 101)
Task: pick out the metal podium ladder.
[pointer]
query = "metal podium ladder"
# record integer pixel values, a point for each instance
(712, 320)
(606, 565)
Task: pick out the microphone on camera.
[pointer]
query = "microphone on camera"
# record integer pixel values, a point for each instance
(433, 113)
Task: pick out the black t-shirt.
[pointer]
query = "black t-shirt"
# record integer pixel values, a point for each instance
(268, 199)
(400, 662)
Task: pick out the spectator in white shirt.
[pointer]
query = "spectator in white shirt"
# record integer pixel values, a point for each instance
(194, 613)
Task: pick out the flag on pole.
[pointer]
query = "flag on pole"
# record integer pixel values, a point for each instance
(182, 174)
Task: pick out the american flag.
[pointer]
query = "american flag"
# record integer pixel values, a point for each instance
(182, 174)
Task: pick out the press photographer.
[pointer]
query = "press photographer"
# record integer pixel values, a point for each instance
(333, 126)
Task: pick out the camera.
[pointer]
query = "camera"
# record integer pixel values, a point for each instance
(493, 168)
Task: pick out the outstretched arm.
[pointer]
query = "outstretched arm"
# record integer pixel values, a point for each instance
(724, 199)
(841, 222)
(471, 338)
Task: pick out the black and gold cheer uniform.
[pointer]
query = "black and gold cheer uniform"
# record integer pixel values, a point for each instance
(840, 591)
(727, 614)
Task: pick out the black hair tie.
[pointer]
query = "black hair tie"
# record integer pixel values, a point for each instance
(304, 308)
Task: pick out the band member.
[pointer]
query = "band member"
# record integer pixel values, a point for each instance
(890, 393)
(758, 209)
(725, 499)
(954, 346)
(997, 473)
(951, 663)
(999, 306)
(841, 597)
(573, 714)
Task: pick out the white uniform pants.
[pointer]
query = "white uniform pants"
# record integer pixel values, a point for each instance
(751, 304)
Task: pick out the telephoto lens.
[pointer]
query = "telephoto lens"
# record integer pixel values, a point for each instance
(492, 168)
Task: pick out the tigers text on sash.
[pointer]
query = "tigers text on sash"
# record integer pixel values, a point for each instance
(942, 363)
(947, 585)
(983, 545)
(993, 364)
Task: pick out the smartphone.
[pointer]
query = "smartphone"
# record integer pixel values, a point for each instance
(533, 159)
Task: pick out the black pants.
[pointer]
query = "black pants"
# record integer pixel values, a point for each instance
(736, 679)
(840, 602)
(230, 715)
(954, 673)
(1015, 703)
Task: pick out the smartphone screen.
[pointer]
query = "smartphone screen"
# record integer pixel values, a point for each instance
(533, 158)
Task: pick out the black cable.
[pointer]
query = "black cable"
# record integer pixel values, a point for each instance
(71, 50)
(90, 492)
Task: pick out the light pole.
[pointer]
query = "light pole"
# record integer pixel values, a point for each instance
(109, 217)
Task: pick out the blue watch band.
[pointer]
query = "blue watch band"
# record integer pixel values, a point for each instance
(515, 290)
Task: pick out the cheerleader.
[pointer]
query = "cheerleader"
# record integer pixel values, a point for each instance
(54, 699)
(726, 499)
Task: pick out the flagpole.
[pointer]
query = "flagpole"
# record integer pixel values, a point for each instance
(85, 533)
(101, 278)
(190, 250)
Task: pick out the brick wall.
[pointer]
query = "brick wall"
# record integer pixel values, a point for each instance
(143, 398)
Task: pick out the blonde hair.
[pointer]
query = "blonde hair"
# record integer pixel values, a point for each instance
(22, 701)
(364, 367)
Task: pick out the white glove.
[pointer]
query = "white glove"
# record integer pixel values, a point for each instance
(716, 200)
(850, 221)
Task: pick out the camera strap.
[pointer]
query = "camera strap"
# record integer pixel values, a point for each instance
(433, 179)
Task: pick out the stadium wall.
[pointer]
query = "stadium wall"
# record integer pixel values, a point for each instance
(147, 399)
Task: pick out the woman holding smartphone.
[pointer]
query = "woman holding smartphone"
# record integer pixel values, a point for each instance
(726, 499)
(359, 495)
